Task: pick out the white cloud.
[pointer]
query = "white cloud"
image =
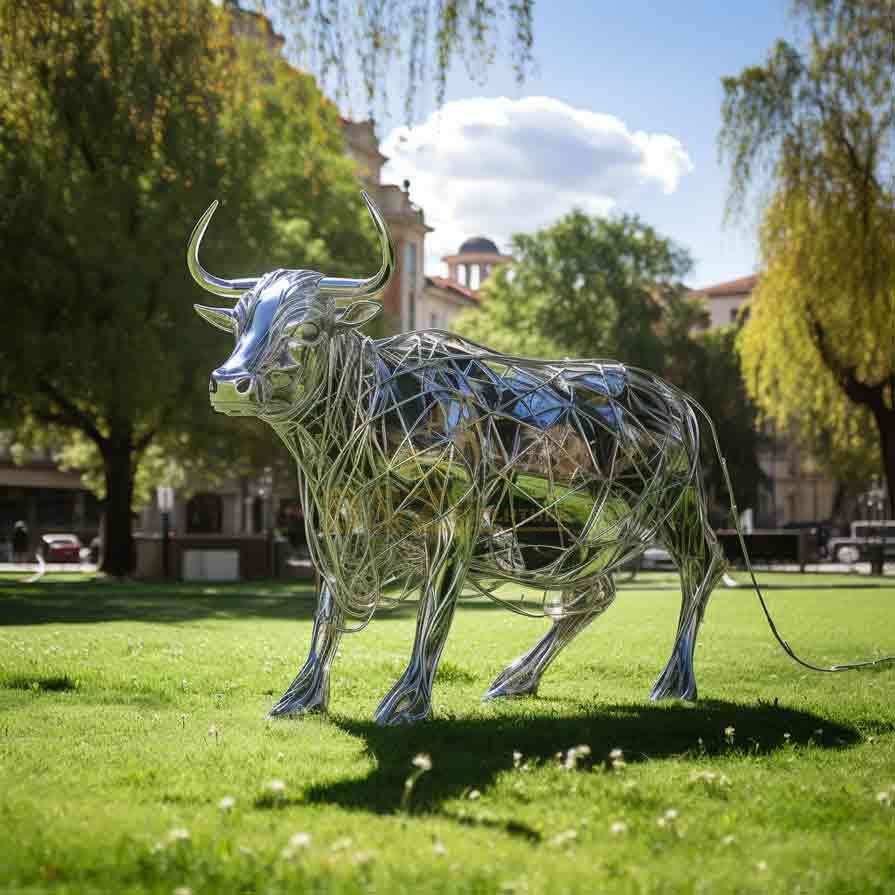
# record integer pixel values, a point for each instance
(494, 167)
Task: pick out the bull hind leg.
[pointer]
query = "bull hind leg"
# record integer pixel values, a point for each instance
(410, 699)
(309, 692)
(522, 677)
(694, 548)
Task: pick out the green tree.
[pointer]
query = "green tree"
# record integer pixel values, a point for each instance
(120, 120)
(596, 287)
(585, 286)
(812, 131)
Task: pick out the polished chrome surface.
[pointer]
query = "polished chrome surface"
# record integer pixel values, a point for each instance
(431, 465)
(343, 287)
(216, 285)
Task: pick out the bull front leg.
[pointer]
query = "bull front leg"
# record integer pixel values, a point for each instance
(410, 699)
(309, 692)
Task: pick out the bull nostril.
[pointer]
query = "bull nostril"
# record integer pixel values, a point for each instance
(243, 386)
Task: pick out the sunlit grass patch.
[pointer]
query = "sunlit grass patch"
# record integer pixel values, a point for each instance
(142, 761)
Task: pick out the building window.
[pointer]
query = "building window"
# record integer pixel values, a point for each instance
(475, 276)
(204, 514)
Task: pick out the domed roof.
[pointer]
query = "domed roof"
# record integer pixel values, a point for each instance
(479, 245)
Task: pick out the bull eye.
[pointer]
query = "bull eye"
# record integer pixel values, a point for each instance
(306, 332)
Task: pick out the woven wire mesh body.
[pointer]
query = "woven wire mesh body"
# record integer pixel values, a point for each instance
(562, 471)
(429, 465)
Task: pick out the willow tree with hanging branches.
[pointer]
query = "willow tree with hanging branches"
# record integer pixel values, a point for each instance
(359, 48)
(812, 133)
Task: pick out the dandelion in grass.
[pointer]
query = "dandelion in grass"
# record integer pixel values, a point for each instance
(564, 838)
(226, 804)
(298, 842)
(668, 819)
(574, 755)
(617, 760)
(422, 764)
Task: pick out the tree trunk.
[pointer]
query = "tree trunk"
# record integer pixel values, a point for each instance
(118, 542)
(885, 424)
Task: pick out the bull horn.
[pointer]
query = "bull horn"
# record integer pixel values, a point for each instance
(215, 285)
(343, 287)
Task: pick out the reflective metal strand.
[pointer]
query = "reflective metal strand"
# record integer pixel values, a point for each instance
(209, 282)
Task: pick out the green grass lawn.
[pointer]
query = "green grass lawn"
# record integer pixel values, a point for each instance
(129, 712)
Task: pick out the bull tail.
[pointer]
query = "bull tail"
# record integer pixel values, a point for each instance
(868, 663)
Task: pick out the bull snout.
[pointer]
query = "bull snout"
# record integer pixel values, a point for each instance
(234, 392)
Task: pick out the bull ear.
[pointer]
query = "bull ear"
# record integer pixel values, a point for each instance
(357, 313)
(222, 318)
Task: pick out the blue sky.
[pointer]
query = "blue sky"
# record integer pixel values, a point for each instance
(628, 121)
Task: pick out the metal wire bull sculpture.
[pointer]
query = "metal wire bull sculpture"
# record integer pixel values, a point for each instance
(428, 463)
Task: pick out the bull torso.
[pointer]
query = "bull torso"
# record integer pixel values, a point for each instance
(558, 469)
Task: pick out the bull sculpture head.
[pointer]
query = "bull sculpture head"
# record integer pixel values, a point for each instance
(284, 323)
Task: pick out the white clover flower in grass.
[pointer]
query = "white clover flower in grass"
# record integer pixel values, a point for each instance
(422, 761)
(298, 842)
(438, 847)
(618, 827)
(564, 838)
(617, 760)
(886, 797)
(227, 803)
(178, 834)
(728, 840)
(761, 866)
(574, 755)
(182, 890)
(473, 795)
(277, 787)
(729, 732)
(517, 758)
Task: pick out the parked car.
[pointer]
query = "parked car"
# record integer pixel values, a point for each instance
(867, 537)
(60, 548)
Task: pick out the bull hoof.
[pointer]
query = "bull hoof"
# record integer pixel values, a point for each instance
(511, 689)
(674, 686)
(403, 707)
(295, 710)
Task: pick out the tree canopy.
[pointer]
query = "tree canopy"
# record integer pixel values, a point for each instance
(120, 121)
(611, 288)
(811, 131)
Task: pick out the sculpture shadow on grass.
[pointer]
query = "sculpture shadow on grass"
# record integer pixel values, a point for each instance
(469, 754)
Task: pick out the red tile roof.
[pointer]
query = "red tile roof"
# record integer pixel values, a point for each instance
(731, 287)
(453, 285)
